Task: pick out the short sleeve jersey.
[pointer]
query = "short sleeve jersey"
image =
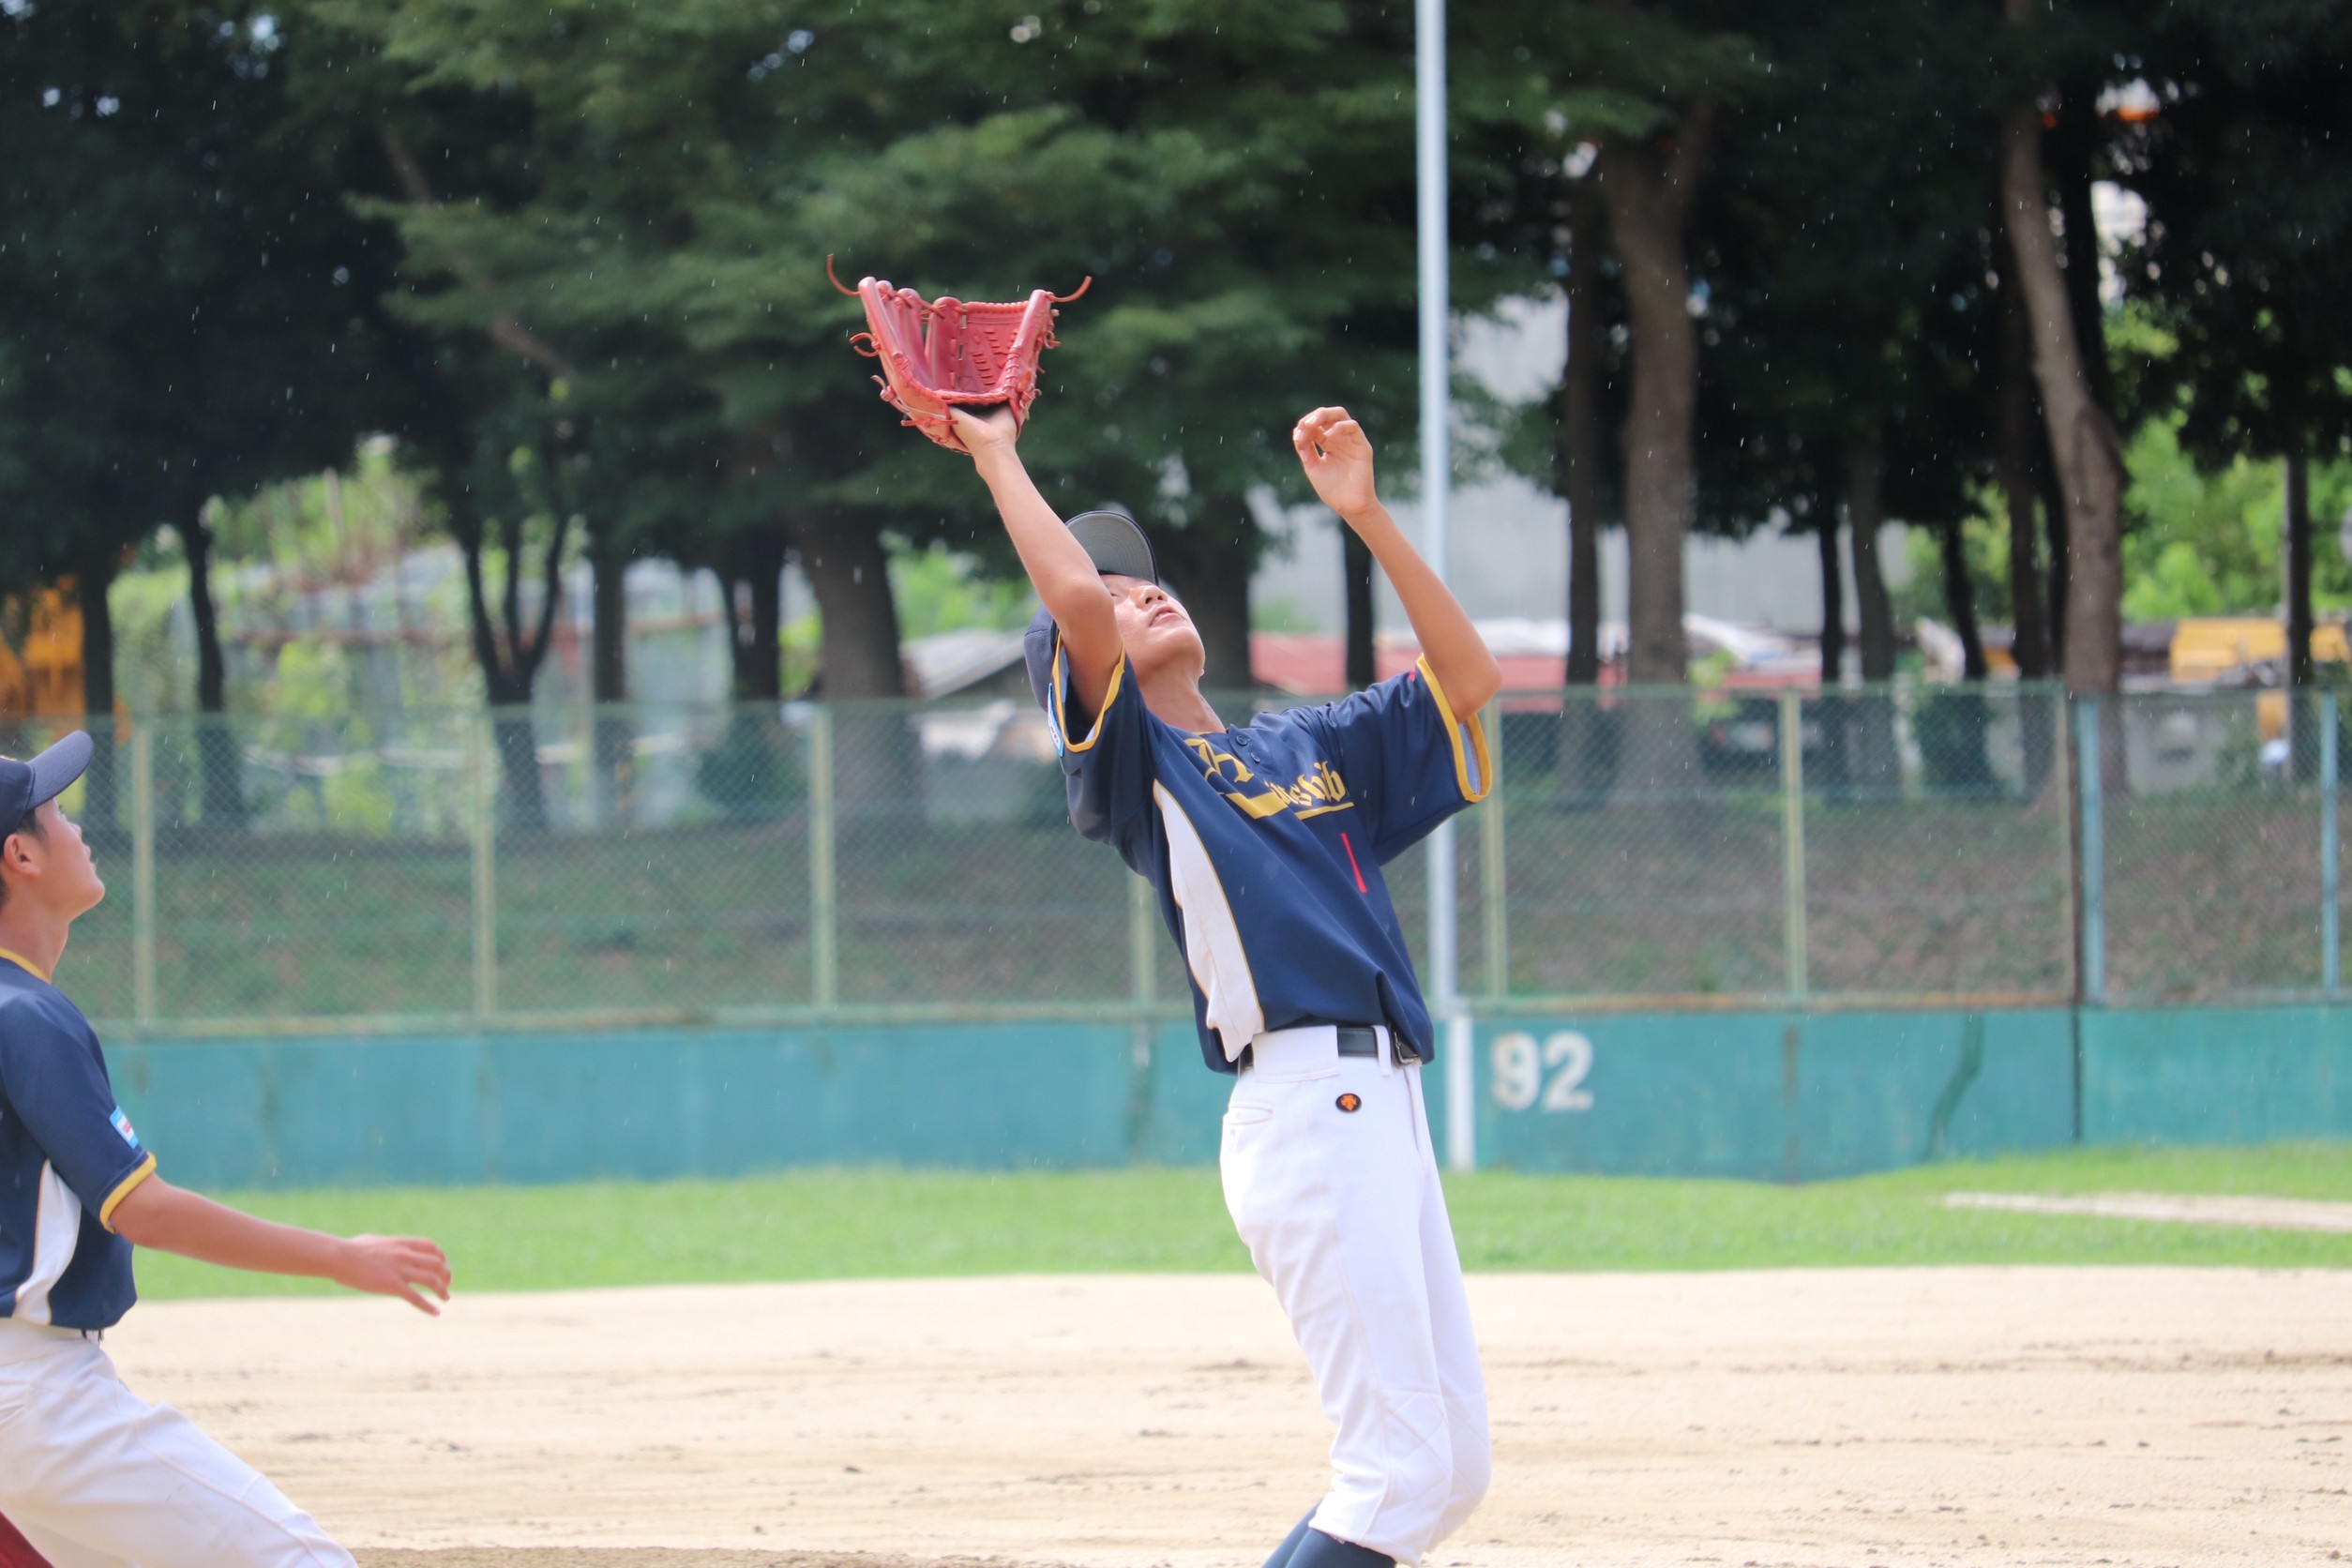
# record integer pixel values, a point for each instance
(1266, 844)
(69, 1156)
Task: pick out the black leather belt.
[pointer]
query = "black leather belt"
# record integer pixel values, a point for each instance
(1358, 1040)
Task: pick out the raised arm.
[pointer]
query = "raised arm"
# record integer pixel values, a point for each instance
(1338, 458)
(156, 1214)
(1058, 566)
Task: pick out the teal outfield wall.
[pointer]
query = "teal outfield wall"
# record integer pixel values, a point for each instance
(2217, 1074)
(1775, 1095)
(1788, 1096)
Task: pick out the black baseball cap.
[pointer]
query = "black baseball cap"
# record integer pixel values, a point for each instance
(1113, 542)
(26, 785)
(1117, 546)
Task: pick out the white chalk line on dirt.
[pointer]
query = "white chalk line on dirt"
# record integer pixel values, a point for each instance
(2256, 1214)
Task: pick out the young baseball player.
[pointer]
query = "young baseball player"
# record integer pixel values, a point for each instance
(92, 1475)
(1265, 843)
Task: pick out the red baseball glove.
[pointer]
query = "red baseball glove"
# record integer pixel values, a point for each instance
(939, 354)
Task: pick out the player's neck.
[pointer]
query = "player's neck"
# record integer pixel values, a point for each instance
(1174, 697)
(32, 933)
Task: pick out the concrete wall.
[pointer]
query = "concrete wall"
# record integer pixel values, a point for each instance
(1770, 1095)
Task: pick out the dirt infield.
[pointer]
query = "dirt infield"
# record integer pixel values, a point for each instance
(1975, 1416)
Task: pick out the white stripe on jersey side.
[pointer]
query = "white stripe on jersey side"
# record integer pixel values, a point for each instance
(1213, 942)
(54, 1234)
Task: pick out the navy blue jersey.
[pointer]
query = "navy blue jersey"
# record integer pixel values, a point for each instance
(68, 1156)
(1266, 843)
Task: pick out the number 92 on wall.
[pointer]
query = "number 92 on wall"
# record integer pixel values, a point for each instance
(1547, 1076)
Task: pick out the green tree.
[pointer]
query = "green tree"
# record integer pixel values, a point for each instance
(1236, 179)
(2247, 263)
(181, 297)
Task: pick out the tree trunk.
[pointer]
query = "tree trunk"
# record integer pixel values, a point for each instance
(1356, 562)
(1881, 767)
(750, 569)
(842, 554)
(614, 756)
(1648, 201)
(2082, 442)
(1952, 723)
(94, 575)
(2013, 461)
(764, 673)
(1960, 601)
(1866, 515)
(2295, 560)
(2053, 547)
(1832, 602)
(216, 752)
(1834, 771)
(609, 622)
(2068, 150)
(1578, 455)
(1649, 210)
(1210, 569)
(877, 766)
(510, 670)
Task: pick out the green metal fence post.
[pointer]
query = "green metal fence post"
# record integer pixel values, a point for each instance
(2093, 873)
(485, 825)
(1792, 838)
(142, 873)
(1494, 889)
(824, 954)
(2330, 913)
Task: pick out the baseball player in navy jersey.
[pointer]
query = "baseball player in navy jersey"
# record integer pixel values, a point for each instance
(93, 1476)
(1265, 843)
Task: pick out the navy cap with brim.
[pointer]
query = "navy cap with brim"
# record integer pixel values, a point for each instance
(24, 785)
(1118, 547)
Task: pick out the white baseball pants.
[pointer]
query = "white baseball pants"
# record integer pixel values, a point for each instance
(95, 1477)
(1342, 1213)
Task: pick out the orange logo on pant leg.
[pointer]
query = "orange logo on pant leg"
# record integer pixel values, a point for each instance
(1350, 1102)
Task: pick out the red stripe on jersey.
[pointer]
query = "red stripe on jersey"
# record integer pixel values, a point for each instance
(1352, 861)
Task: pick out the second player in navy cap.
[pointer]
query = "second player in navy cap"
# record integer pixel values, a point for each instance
(89, 1472)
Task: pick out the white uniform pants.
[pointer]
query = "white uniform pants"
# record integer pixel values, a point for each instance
(95, 1477)
(1343, 1214)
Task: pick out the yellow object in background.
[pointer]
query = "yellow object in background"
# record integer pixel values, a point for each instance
(2209, 648)
(40, 655)
(2212, 648)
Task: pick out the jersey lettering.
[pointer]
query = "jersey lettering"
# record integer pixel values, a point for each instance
(1315, 792)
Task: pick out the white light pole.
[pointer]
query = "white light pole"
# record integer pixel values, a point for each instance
(1437, 479)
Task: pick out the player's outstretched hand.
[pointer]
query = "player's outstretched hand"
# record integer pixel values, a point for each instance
(408, 1267)
(999, 429)
(1338, 458)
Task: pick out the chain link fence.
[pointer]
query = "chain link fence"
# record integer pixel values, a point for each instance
(1910, 844)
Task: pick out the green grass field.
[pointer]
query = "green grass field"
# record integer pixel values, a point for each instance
(838, 1224)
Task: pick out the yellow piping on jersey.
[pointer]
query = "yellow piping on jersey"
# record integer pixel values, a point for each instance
(122, 1189)
(1453, 727)
(1110, 695)
(27, 965)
